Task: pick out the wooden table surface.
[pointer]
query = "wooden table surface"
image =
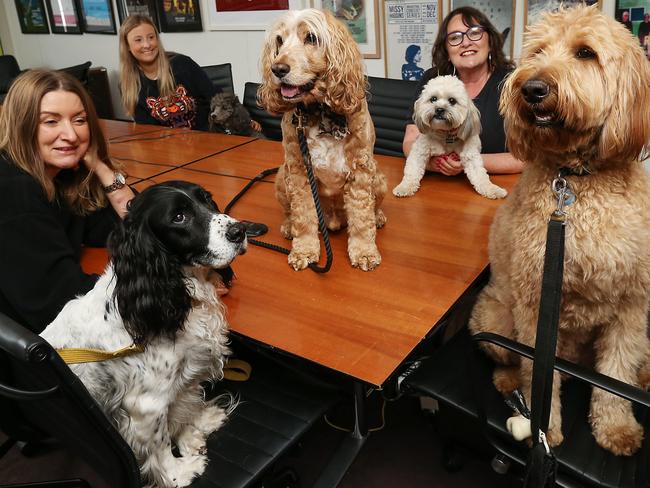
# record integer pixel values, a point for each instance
(363, 324)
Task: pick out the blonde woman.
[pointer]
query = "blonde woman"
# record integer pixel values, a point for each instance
(59, 190)
(157, 87)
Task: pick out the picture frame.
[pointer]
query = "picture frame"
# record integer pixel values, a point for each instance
(32, 16)
(137, 7)
(534, 8)
(637, 20)
(362, 19)
(240, 15)
(410, 29)
(63, 16)
(97, 16)
(179, 16)
(500, 12)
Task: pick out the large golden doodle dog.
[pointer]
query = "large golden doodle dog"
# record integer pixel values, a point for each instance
(579, 100)
(312, 67)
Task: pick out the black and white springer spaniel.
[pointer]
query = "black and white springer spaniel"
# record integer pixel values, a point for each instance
(158, 292)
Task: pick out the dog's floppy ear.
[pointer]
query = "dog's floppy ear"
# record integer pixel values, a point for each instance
(268, 95)
(626, 132)
(346, 82)
(150, 291)
(472, 124)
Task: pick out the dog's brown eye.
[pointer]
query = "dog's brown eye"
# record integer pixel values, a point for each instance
(278, 40)
(433, 99)
(311, 38)
(179, 218)
(452, 101)
(585, 53)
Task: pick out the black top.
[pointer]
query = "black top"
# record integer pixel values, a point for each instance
(493, 137)
(188, 107)
(40, 249)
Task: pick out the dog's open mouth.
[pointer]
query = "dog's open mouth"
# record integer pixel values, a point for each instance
(292, 92)
(544, 119)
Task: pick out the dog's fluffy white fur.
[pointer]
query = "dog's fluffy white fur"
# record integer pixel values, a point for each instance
(158, 291)
(448, 121)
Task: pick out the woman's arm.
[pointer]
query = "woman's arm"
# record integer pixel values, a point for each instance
(502, 163)
(117, 198)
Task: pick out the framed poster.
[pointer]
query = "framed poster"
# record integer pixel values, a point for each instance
(635, 15)
(179, 15)
(502, 15)
(97, 16)
(32, 16)
(361, 17)
(64, 16)
(137, 7)
(248, 15)
(534, 8)
(410, 29)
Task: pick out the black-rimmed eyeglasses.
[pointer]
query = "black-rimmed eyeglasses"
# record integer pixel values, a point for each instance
(473, 34)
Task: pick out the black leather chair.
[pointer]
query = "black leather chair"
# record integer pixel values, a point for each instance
(389, 102)
(271, 124)
(40, 397)
(79, 71)
(9, 69)
(459, 376)
(221, 76)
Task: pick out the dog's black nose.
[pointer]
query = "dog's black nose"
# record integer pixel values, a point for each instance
(535, 91)
(236, 232)
(440, 111)
(280, 69)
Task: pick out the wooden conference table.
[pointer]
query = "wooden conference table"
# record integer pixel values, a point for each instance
(361, 324)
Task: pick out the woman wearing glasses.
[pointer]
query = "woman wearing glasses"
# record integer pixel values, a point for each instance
(469, 47)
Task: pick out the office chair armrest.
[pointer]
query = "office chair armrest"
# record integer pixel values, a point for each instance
(599, 380)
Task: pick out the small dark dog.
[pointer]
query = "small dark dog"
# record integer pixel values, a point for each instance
(229, 116)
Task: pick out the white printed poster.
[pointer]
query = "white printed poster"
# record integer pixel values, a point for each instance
(411, 28)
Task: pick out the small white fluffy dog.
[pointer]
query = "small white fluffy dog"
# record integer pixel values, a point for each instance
(448, 122)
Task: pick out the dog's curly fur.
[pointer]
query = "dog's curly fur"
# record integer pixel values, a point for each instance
(229, 116)
(448, 121)
(310, 58)
(580, 95)
(158, 291)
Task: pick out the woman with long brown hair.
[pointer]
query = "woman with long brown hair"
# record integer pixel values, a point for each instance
(158, 87)
(468, 46)
(59, 190)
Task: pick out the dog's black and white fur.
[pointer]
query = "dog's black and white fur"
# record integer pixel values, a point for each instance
(157, 291)
(229, 116)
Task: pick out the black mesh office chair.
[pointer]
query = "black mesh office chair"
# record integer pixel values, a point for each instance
(9, 69)
(458, 374)
(221, 76)
(271, 124)
(79, 71)
(40, 397)
(389, 102)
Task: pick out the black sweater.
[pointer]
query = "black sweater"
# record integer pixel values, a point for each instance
(189, 107)
(40, 247)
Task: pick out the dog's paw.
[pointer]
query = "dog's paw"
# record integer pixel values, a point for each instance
(622, 436)
(364, 258)
(185, 469)
(492, 191)
(190, 442)
(211, 418)
(554, 436)
(405, 189)
(506, 379)
(285, 230)
(380, 219)
(301, 258)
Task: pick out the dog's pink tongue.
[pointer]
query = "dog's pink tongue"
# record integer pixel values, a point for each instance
(289, 91)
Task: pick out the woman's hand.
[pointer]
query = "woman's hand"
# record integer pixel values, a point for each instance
(447, 164)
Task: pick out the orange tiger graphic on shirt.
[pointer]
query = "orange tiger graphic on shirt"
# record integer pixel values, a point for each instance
(179, 110)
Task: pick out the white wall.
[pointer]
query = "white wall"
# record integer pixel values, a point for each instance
(241, 48)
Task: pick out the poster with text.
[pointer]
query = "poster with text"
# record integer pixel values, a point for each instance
(411, 27)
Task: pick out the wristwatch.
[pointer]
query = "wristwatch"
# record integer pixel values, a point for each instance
(118, 183)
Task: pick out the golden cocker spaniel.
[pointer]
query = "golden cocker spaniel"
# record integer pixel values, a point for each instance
(578, 102)
(313, 72)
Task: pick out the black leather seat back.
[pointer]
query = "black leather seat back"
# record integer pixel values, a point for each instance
(9, 69)
(79, 71)
(389, 102)
(221, 76)
(271, 124)
(63, 409)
